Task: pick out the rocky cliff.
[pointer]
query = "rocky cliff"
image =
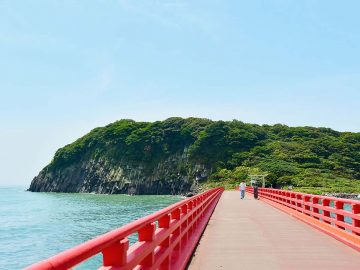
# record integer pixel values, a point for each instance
(173, 175)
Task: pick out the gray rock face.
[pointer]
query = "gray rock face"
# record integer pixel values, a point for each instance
(175, 175)
(350, 196)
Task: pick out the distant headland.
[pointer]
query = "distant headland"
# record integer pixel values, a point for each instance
(180, 156)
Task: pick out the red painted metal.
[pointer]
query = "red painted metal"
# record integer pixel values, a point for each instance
(166, 239)
(327, 209)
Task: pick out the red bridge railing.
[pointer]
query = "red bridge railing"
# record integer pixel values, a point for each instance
(330, 210)
(166, 239)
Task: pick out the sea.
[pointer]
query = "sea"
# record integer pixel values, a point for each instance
(35, 226)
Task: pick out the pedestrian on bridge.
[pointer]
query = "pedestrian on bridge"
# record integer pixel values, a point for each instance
(256, 192)
(242, 188)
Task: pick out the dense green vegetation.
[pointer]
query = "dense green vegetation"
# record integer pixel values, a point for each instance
(305, 158)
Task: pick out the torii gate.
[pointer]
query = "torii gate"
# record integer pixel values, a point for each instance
(255, 177)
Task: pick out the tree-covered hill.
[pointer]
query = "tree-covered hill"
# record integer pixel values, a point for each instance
(211, 152)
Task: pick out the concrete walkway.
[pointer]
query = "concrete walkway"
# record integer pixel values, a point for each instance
(250, 234)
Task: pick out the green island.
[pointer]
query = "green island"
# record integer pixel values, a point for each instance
(306, 159)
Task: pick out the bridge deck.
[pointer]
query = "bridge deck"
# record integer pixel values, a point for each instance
(250, 234)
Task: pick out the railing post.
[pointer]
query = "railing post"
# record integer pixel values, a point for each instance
(293, 200)
(176, 215)
(147, 234)
(194, 215)
(201, 206)
(299, 202)
(184, 210)
(198, 212)
(315, 208)
(288, 197)
(356, 222)
(326, 213)
(339, 206)
(164, 222)
(307, 207)
(116, 254)
(190, 207)
(283, 199)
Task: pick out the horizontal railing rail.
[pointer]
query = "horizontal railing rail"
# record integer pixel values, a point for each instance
(166, 239)
(341, 213)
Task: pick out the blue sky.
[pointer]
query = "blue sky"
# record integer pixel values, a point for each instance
(69, 66)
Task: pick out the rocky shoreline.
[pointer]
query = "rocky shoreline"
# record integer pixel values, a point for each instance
(349, 196)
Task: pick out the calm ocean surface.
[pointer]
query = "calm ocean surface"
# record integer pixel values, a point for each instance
(34, 226)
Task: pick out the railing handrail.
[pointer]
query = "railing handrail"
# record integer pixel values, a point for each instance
(332, 198)
(196, 206)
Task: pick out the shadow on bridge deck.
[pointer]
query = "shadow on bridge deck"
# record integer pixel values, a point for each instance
(250, 234)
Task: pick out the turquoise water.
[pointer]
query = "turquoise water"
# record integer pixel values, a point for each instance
(34, 226)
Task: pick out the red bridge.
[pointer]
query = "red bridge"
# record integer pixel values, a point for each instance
(309, 232)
